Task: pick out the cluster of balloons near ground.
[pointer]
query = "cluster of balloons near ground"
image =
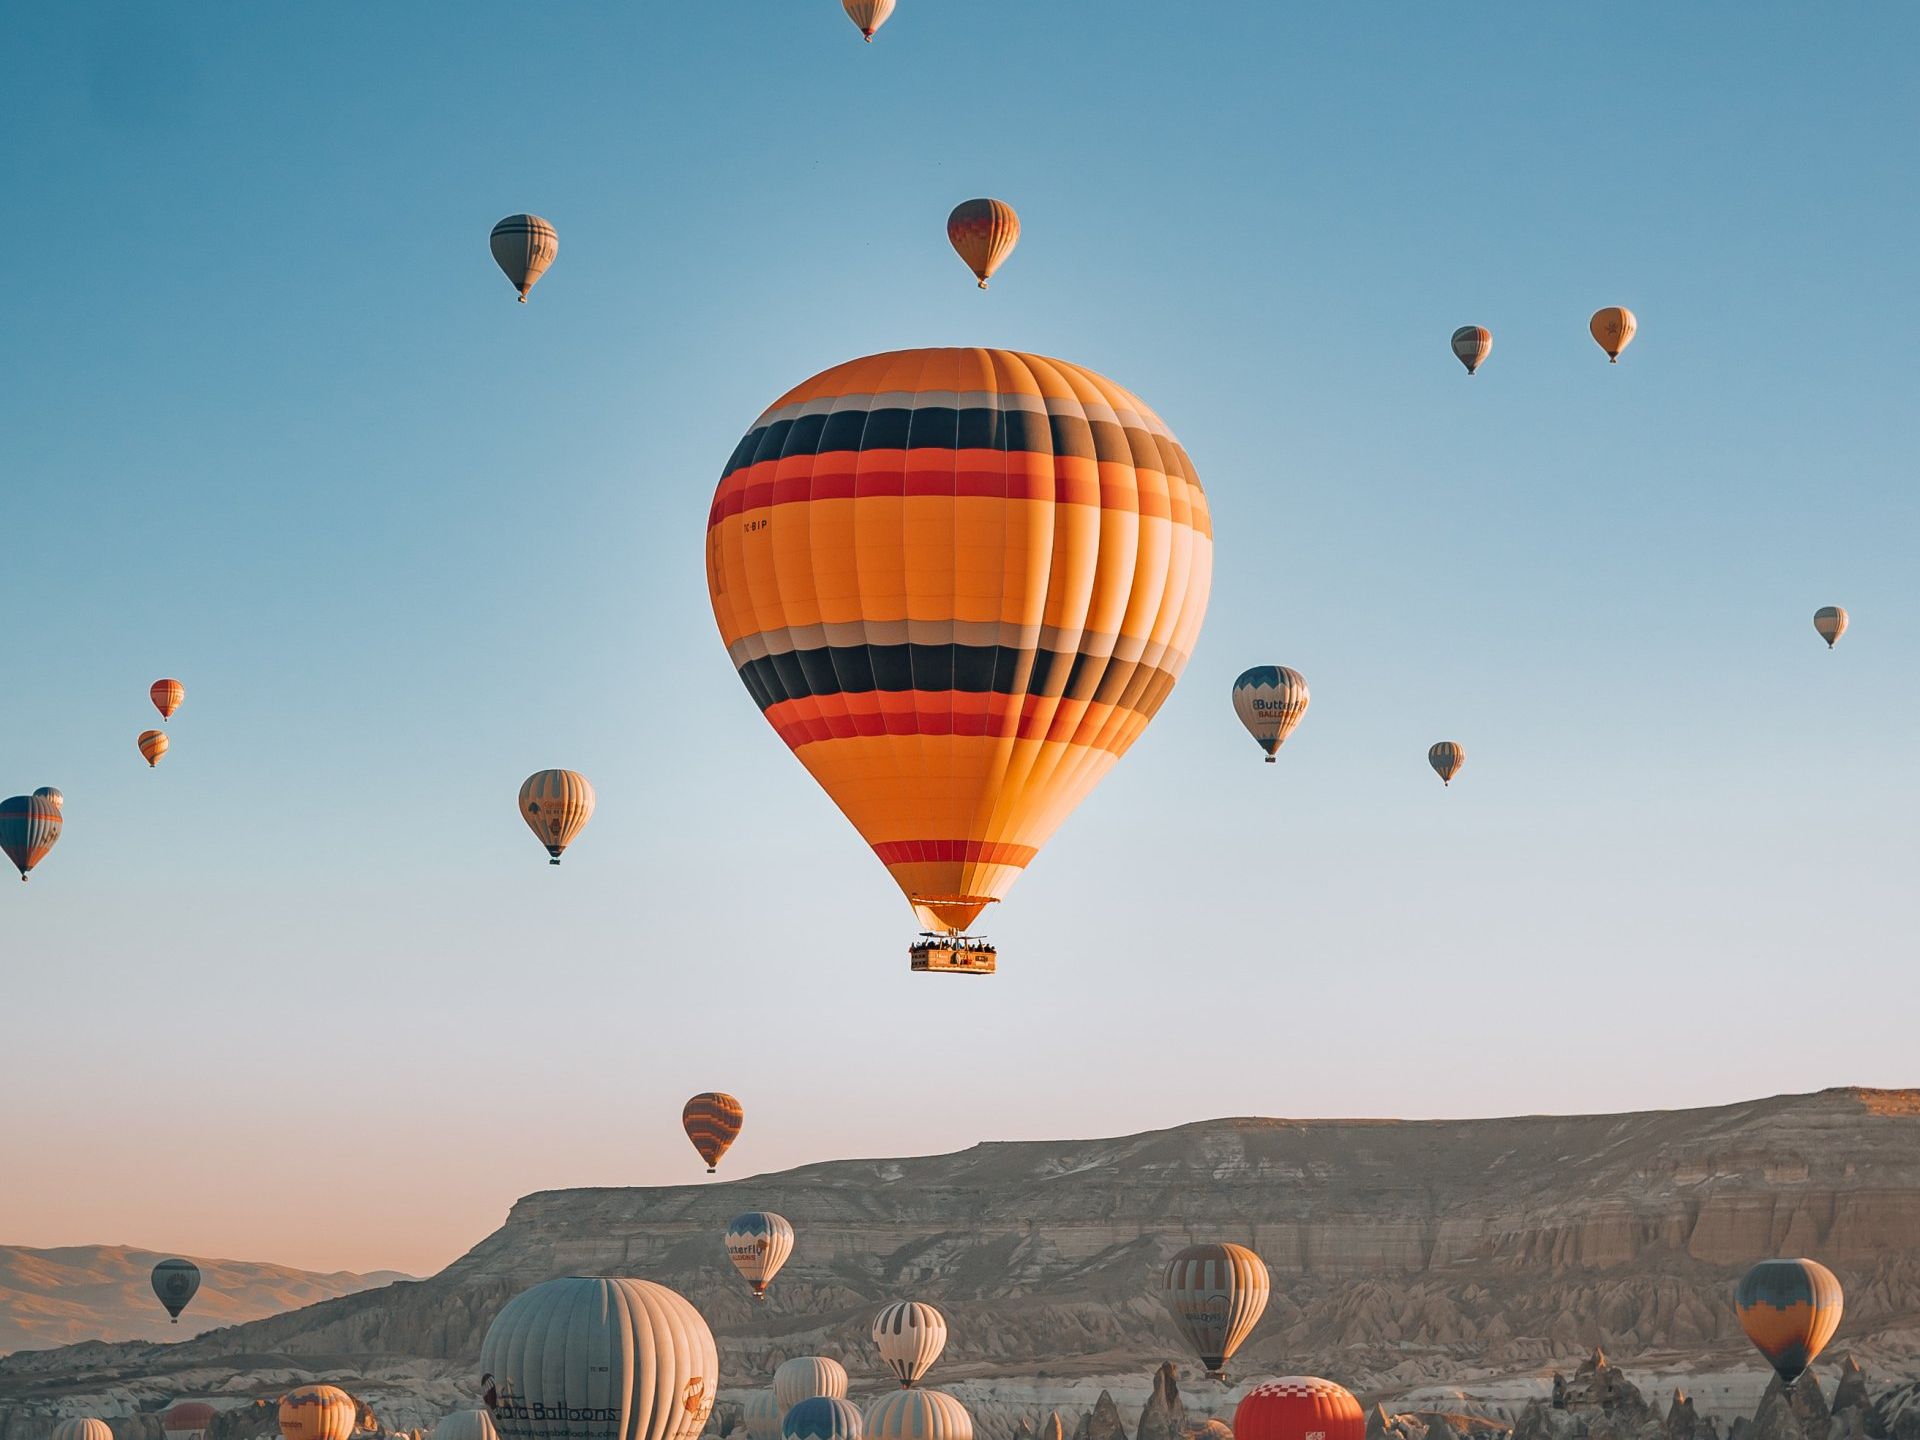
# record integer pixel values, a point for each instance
(634, 1360)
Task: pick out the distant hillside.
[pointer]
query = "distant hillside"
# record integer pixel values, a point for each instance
(101, 1292)
(1444, 1257)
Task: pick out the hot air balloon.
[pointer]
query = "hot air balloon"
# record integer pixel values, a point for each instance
(1471, 346)
(805, 1377)
(1613, 330)
(911, 1336)
(869, 15)
(983, 233)
(761, 1413)
(167, 695)
(1789, 1309)
(188, 1420)
(153, 744)
(318, 1412)
(52, 796)
(1215, 1294)
(613, 1359)
(467, 1425)
(1829, 620)
(712, 1121)
(821, 1417)
(1446, 758)
(1270, 701)
(918, 1414)
(759, 1243)
(556, 804)
(176, 1282)
(84, 1427)
(1299, 1407)
(29, 826)
(958, 584)
(523, 247)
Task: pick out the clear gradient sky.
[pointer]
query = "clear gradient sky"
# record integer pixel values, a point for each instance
(272, 423)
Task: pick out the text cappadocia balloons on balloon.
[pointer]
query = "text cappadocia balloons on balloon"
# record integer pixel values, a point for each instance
(599, 1358)
(958, 584)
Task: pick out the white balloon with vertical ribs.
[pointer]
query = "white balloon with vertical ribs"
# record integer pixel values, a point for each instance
(911, 1336)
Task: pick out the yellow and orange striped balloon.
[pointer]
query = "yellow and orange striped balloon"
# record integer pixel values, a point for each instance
(712, 1120)
(153, 744)
(167, 695)
(983, 233)
(318, 1412)
(958, 583)
(556, 804)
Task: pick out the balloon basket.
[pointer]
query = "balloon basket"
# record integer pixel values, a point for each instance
(952, 955)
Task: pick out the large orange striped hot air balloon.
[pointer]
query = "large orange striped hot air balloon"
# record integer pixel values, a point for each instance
(712, 1120)
(556, 804)
(983, 233)
(167, 695)
(1789, 1309)
(869, 15)
(958, 583)
(153, 744)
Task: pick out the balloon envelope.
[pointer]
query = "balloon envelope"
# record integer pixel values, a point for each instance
(761, 1413)
(918, 1414)
(175, 1282)
(712, 1120)
(1216, 1294)
(911, 1336)
(52, 796)
(1471, 346)
(1789, 1309)
(29, 826)
(467, 1425)
(318, 1412)
(1299, 1407)
(1270, 700)
(983, 233)
(556, 804)
(84, 1427)
(759, 1243)
(1613, 329)
(806, 1376)
(869, 15)
(821, 1417)
(598, 1358)
(153, 744)
(523, 247)
(1446, 758)
(958, 584)
(187, 1420)
(1830, 621)
(167, 695)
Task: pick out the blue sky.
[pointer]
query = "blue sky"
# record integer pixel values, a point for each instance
(274, 425)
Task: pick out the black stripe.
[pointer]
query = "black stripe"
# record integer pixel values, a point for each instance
(972, 669)
(939, 427)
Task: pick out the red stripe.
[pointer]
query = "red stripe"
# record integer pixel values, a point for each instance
(1012, 475)
(990, 852)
